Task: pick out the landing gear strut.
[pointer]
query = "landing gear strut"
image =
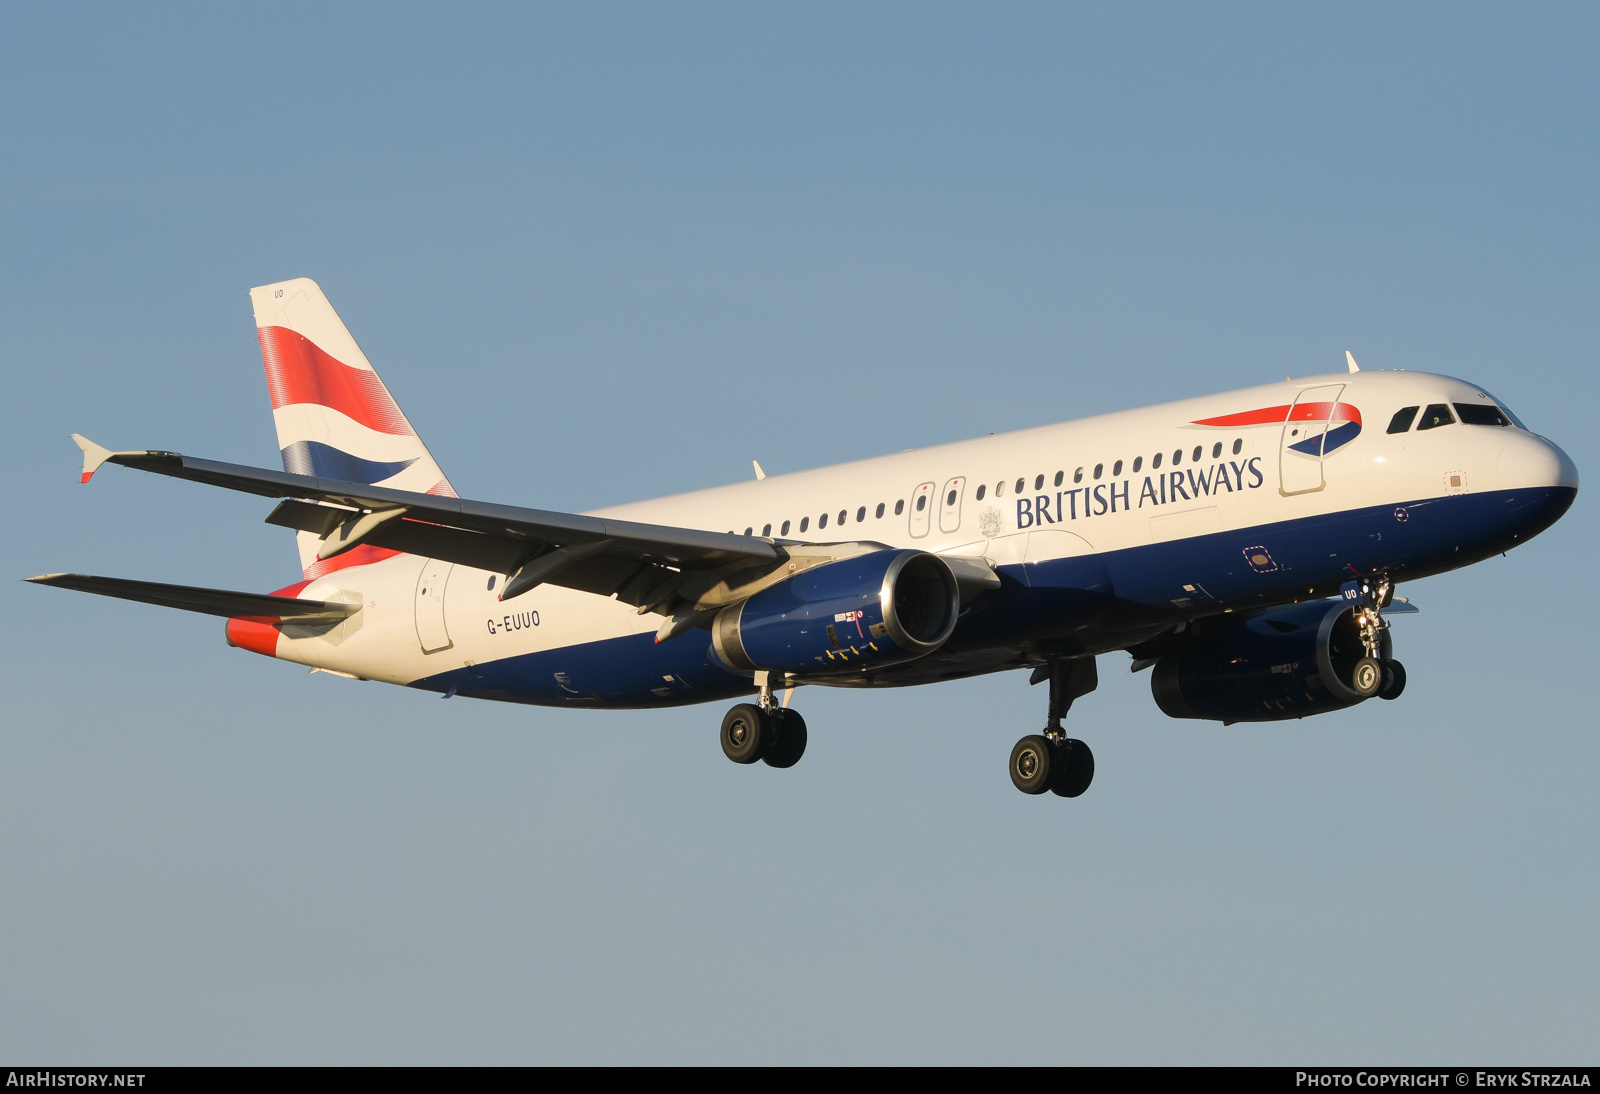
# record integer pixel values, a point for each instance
(1051, 760)
(1377, 673)
(763, 730)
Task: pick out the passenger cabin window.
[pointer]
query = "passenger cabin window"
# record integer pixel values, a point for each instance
(1196, 456)
(899, 506)
(982, 486)
(1099, 467)
(999, 489)
(1216, 451)
(1138, 462)
(1436, 415)
(1077, 476)
(749, 530)
(922, 502)
(1059, 476)
(1155, 461)
(879, 513)
(822, 522)
(491, 581)
(766, 529)
(1116, 468)
(1022, 484)
(1038, 484)
(804, 521)
(1481, 414)
(1238, 443)
(842, 514)
(784, 530)
(1403, 418)
(1177, 457)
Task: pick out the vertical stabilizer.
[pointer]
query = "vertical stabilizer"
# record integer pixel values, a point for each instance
(335, 419)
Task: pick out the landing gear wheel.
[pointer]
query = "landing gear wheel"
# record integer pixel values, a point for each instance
(1072, 769)
(1367, 677)
(1394, 680)
(791, 743)
(746, 733)
(1031, 761)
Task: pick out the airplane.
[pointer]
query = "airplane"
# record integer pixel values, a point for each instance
(1244, 547)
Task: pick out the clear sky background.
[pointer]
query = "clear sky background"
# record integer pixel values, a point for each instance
(602, 253)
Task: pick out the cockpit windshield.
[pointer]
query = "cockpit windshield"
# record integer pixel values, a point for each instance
(1516, 421)
(1482, 414)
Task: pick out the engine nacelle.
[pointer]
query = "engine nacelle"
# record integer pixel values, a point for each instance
(877, 609)
(1283, 663)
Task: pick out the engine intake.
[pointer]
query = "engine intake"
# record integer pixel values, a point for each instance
(1282, 663)
(882, 608)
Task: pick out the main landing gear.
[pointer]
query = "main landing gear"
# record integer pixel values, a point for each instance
(763, 731)
(1051, 760)
(1377, 673)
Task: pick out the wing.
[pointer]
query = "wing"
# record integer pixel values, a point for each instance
(683, 573)
(654, 567)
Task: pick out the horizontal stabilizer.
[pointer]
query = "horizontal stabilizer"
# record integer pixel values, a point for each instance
(223, 602)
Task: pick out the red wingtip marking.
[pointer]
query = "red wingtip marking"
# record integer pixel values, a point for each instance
(87, 475)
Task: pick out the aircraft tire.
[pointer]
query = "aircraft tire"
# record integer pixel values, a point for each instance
(1394, 680)
(1072, 770)
(1031, 761)
(746, 733)
(1367, 677)
(791, 743)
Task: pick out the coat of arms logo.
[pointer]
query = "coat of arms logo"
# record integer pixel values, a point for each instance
(989, 522)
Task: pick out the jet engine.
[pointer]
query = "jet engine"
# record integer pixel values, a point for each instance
(1281, 663)
(876, 609)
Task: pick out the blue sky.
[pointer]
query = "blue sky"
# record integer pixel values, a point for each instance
(602, 253)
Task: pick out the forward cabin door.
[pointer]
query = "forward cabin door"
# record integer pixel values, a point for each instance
(1300, 453)
(431, 584)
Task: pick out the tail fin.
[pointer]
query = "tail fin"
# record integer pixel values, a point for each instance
(335, 419)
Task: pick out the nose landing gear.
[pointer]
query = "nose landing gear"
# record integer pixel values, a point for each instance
(1052, 761)
(1377, 673)
(763, 731)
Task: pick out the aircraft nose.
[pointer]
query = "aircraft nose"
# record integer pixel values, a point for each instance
(1529, 460)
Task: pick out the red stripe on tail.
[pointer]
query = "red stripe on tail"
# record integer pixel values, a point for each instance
(298, 371)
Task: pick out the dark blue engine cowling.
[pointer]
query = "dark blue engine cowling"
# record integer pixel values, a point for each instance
(1282, 663)
(876, 609)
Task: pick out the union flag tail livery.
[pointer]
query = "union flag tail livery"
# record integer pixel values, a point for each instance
(1244, 547)
(334, 416)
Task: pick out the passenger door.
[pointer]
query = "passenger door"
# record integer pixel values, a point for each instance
(1300, 453)
(921, 510)
(950, 504)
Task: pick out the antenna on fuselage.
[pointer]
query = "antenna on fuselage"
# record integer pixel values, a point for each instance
(1351, 358)
(760, 474)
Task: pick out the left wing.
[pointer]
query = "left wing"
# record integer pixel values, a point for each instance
(683, 573)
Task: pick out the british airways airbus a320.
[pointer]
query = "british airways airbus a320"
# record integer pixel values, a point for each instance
(1244, 546)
